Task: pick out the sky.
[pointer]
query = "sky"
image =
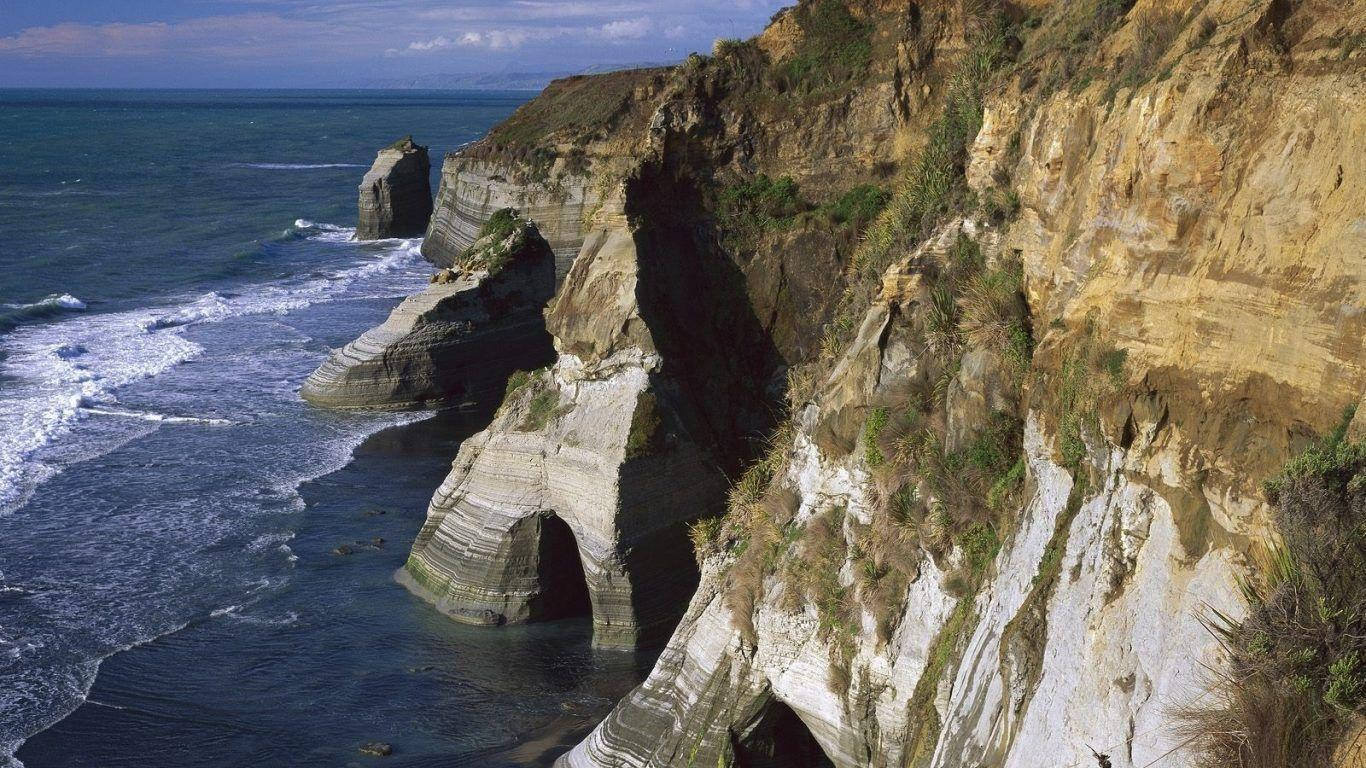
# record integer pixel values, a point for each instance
(339, 43)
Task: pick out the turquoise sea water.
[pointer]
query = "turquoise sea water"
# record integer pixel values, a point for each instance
(172, 265)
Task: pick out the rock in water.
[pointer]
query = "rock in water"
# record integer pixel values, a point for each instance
(456, 341)
(376, 749)
(396, 193)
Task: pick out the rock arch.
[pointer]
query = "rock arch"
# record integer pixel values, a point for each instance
(777, 738)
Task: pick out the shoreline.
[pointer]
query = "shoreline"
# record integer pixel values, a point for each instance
(141, 693)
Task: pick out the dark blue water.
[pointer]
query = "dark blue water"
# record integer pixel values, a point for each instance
(172, 265)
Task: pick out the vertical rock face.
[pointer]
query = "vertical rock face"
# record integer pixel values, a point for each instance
(457, 341)
(396, 193)
(472, 189)
(1191, 245)
(590, 470)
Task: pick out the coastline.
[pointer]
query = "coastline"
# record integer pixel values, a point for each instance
(340, 634)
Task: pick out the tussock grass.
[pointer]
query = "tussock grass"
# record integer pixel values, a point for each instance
(1295, 683)
(1091, 373)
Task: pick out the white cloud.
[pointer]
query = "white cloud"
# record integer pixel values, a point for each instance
(627, 29)
(500, 39)
(429, 45)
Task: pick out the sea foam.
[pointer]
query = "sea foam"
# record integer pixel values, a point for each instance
(66, 369)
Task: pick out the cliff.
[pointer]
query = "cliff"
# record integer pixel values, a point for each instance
(1180, 209)
(395, 196)
(996, 330)
(456, 342)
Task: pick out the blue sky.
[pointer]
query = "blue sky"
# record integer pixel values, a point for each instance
(281, 43)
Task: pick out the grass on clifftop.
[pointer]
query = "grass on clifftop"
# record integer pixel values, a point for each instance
(575, 109)
(1295, 683)
(835, 47)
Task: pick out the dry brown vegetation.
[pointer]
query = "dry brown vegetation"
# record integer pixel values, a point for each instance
(1295, 683)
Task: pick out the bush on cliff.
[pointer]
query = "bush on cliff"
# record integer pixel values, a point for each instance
(495, 243)
(1295, 683)
(834, 47)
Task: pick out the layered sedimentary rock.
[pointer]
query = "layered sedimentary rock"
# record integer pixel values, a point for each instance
(1191, 246)
(472, 189)
(396, 193)
(455, 342)
(588, 474)
(556, 161)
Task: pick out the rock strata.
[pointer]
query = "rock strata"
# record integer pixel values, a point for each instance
(1030, 405)
(575, 499)
(455, 342)
(1190, 245)
(396, 193)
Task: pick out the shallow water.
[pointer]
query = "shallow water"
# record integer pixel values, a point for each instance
(172, 265)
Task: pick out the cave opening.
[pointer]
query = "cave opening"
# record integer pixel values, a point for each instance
(564, 588)
(780, 740)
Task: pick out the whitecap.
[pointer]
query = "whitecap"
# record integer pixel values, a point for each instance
(159, 418)
(268, 540)
(51, 306)
(322, 232)
(60, 372)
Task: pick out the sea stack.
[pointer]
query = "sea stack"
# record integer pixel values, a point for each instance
(457, 341)
(396, 193)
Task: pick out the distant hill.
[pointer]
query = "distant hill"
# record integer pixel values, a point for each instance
(495, 81)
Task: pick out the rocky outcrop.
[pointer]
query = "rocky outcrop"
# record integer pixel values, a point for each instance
(557, 160)
(579, 490)
(396, 193)
(1190, 246)
(473, 189)
(457, 341)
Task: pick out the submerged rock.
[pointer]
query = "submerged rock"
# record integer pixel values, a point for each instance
(396, 193)
(376, 749)
(454, 342)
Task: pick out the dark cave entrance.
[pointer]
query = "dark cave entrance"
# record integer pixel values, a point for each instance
(780, 740)
(564, 589)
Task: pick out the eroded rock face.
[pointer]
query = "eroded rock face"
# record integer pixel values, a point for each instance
(473, 189)
(396, 193)
(455, 342)
(1205, 224)
(600, 446)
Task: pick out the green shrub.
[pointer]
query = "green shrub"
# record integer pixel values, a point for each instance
(516, 382)
(773, 202)
(1333, 458)
(1295, 683)
(858, 206)
(643, 437)
(980, 545)
(834, 47)
(540, 411)
(492, 249)
(872, 430)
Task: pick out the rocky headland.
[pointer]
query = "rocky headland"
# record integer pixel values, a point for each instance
(456, 342)
(988, 374)
(395, 197)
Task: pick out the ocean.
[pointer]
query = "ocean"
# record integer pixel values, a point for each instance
(172, 265)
